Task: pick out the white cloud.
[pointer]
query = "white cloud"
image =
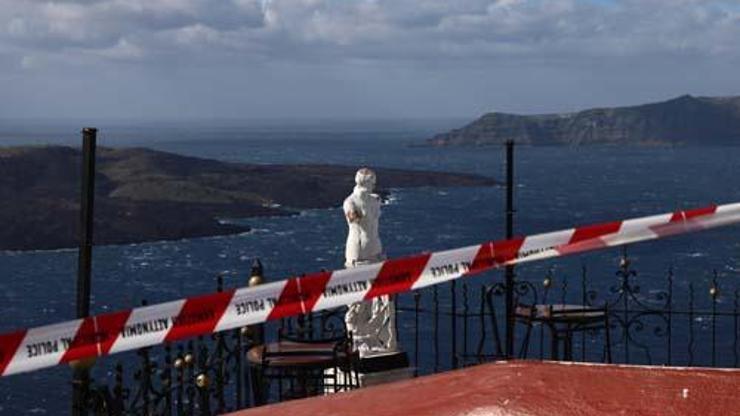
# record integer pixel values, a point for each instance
(351, 52)
(380, 29)
(123, 50)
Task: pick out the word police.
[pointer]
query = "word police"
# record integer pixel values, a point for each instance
(450, 269)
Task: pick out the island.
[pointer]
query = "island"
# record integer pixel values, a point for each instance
(683, 120)
(147, 195)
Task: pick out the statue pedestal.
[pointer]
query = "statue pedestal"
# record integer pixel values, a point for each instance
(377, 368)
(384, 367)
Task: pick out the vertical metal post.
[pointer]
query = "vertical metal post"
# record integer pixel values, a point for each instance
(453, 322)
(256, 334)
(435, 300)
(670, 315)
(81, 380)
(417, 300)
(509, 270)
(714, 293)
(239, 369)
(86, 221)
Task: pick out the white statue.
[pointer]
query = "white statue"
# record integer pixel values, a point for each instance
(372, 323)
(362, 211)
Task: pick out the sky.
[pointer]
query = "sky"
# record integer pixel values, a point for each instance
(356, 59)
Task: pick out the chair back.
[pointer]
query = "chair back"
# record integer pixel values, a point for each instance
(318, 327)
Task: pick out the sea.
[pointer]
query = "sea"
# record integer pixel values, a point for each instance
(556, 187)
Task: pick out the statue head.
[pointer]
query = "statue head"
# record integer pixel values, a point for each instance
(365, 178)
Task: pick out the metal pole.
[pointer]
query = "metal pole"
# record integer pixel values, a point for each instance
(256, 337)
(509, 270)
(453, 329)
(81, 380)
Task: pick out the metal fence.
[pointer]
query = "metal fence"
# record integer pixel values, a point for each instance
(202, 376)
(460, 323)
(451, 325)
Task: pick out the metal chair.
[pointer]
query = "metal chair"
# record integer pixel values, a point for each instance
(563, 321)
(313, 355)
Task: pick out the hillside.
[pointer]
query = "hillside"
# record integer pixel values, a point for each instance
(680, 121)
(147, 195)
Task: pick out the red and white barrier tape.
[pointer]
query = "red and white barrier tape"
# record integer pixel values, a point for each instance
(99, 335)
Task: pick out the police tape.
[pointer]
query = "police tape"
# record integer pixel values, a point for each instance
(95, 336)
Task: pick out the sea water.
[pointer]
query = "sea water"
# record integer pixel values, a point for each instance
(556, 187)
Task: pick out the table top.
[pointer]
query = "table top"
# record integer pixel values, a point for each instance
(294, 354)
(565, 313)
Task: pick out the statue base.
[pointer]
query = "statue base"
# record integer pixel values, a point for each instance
(384, 367)
(375, 368)
(376, 362)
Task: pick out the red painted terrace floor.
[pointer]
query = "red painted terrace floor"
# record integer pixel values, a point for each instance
(522, 388)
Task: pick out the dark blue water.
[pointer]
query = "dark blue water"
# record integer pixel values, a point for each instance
(556, 188)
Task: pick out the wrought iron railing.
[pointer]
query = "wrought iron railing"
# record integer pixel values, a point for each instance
(460, 323)
(447, 326)
(203, 376)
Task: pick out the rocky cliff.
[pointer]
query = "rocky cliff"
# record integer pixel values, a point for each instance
(683, 120)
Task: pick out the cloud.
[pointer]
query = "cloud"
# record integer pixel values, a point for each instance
(376, 29)
(88, 25)
(364, 51)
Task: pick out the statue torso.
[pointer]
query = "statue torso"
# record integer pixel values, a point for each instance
(363, 241)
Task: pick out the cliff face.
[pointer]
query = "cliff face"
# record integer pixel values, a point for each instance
(146, 195)
(683, 120)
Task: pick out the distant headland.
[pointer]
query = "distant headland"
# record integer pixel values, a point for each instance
(146, 195)
(680, 121)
